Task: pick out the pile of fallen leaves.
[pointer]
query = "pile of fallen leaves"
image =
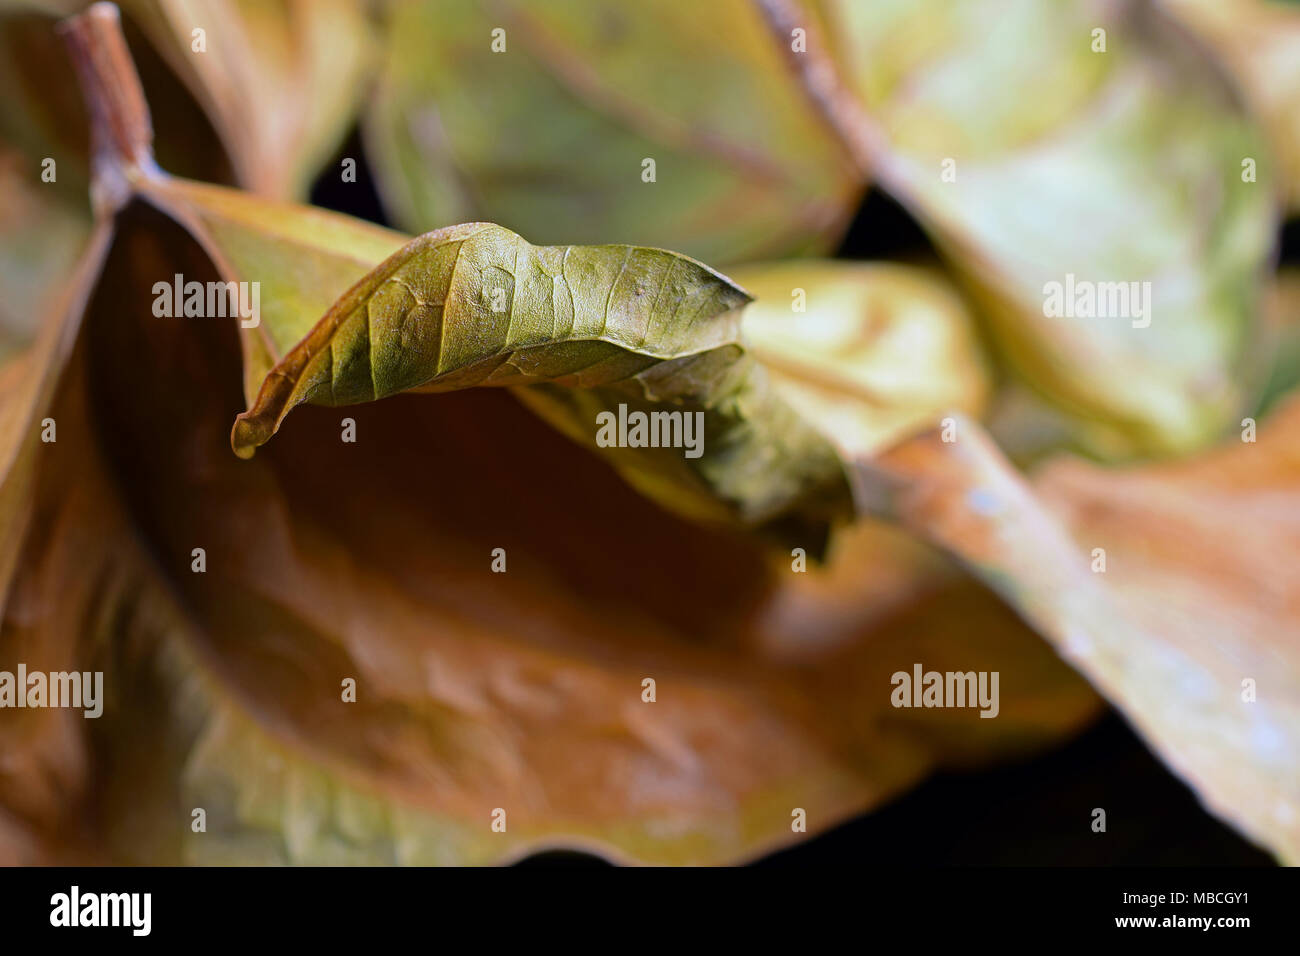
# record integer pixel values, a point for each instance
(455, 627)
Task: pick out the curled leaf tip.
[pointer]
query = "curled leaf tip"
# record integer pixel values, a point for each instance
(246, 436)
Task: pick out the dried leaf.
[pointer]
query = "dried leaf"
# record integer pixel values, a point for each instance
(552, 135)
(45, 220)
(75, 607)
(44, 163)
(868, 352)
(477, 305)
(644, 329)
(1123, 168)
(40, 238)
(1283, 315)
(470, 694)
(27, 384)
(1170, 629)
(302, 259)
(280, 79)
(1259, 41)
(761, 458)
(1203, 558)
(473, 693)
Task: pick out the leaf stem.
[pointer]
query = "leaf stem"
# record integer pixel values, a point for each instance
(121, 130)
(820, 80)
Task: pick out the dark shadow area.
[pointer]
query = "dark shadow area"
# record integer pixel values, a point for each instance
(360, 198)
(1040, 813)
(564, 860)
(1037, 813)
(883, 229)
(1289, 252)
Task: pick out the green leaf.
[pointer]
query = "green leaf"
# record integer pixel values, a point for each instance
(551, 135)
(477, 305)
(760, 458)
(883, 350)
(1123, 166)
(649, 330)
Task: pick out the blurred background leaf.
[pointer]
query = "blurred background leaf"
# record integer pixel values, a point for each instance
(1283, 316)
(549, 136)
(882, 349)
(1123, 165)
(1259, 41)
(1171, 586)
(1204, 556)
(280, 79)
(44, 221)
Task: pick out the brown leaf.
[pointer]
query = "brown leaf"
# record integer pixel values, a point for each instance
(27, 384)
(519, 690)
(327, 560)
(1203, 558)
(280, 79)
(1197, 595)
